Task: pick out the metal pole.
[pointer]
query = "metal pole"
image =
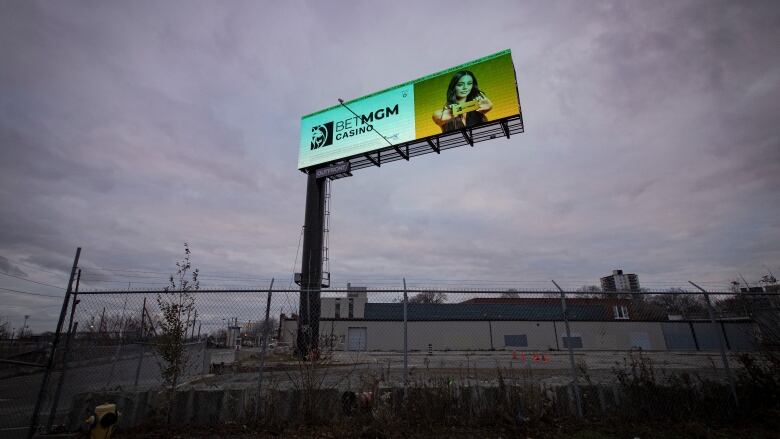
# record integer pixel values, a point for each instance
(263, 349)
(50, 361)
(187, 324)
(194, 319)
(71, 333)
(119, 348)
(143, 345)
(721, 343)
(574, 378)
(102, 317)
(490, 328)
(406, 341)
(311, 267)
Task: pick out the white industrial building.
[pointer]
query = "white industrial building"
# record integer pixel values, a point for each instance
(354, 323)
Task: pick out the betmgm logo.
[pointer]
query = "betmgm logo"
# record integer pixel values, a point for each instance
(321, 135)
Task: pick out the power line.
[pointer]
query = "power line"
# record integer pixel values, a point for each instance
(200, 276)
(30, 293)
(33, 281)
(211, 275)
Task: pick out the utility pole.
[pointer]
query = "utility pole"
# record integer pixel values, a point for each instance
(263, 349)
(53, 351)
(311, 267)
(71, 333)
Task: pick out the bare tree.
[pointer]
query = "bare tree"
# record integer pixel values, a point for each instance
(429, 297)
(5, 331)
(590, 291)
(680, 302)
(256, 330)
(768, 279)
(176, 303)
(510, 294)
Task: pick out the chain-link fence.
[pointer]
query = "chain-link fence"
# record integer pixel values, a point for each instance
(578, 353)
(21, 371)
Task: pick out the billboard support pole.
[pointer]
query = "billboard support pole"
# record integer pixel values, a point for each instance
(311, 267)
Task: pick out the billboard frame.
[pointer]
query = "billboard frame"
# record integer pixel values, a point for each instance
(404, 151)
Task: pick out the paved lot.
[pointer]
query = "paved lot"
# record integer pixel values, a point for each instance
(354, 370)
(350, 369)
(18, 394)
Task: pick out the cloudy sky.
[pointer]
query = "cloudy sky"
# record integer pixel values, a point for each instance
(652, 142)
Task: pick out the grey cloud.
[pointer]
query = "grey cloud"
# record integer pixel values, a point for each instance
(651, 141)
(9, 268)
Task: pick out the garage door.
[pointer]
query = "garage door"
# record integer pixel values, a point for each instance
(357, 339)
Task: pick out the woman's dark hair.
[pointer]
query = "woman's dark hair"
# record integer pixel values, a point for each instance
(473, 117)
(451, 97)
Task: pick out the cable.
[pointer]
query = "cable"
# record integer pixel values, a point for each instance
(32, 294)
(33, 281)
(213, 275)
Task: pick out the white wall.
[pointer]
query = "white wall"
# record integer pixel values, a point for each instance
(475, 335)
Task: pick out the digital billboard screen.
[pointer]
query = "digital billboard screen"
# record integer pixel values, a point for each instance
(460, 97)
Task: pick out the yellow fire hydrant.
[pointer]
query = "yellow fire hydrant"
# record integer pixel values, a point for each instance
(102, 423)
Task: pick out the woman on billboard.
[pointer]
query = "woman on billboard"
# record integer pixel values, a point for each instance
(465, 106)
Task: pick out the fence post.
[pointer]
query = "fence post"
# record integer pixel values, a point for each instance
(263, 349)
(574, 378)
(71, 333)
(406, 343)
(143, 345)
(194, 319)
(50, 361)
(721, 343)
(118, 351)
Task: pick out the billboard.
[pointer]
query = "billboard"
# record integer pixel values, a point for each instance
(460, 97)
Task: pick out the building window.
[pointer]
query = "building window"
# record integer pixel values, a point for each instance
(520, 341)
(351, 308)
(338, 308)
(575, 341)
(621, 312)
